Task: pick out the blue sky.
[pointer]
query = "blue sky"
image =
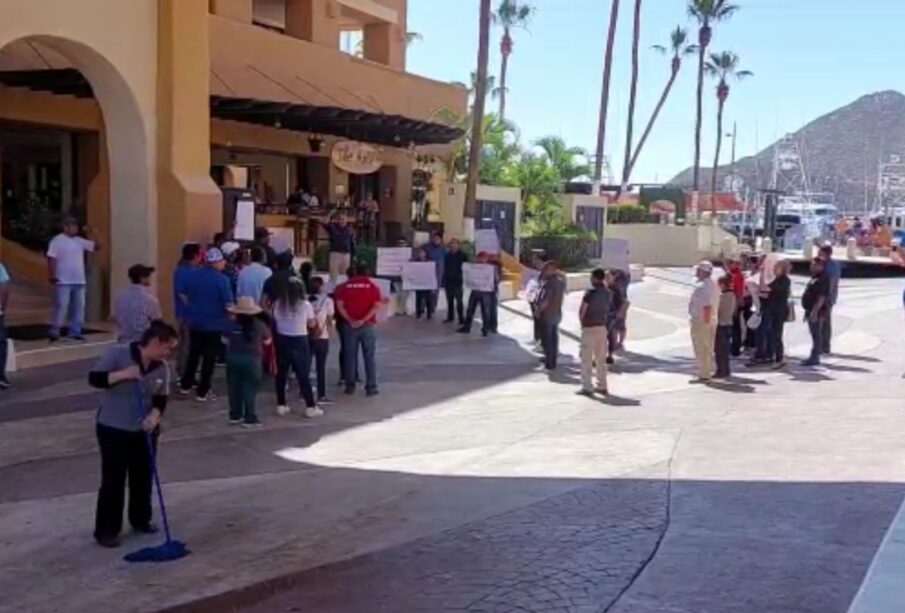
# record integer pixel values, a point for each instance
(809, 57)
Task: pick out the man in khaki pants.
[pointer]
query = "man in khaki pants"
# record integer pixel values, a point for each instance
(702, 314)
(595, 309)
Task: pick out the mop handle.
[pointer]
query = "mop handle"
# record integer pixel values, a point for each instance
(153, 460)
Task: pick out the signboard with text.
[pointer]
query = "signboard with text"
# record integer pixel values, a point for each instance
(479, 277)
(356, 158)
(419, 276)
(391, 259)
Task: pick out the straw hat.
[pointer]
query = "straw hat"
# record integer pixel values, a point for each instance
(245, 305)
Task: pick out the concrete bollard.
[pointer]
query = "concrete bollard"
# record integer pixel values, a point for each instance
(851, 248)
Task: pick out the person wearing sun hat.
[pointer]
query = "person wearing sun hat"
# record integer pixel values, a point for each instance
(702, 314)
(244, 370)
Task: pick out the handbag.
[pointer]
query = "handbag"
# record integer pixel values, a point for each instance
(754, 321)
(790, 316)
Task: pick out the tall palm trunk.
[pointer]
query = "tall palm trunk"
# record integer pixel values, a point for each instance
(477, 112)
(632, 98)
(653, 118)
(719, 147)
(605, 92)
(703, 41)
(505, 50)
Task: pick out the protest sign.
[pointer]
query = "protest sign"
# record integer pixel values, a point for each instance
(419, 276)
(479, 277)
(384, 285)
(615, 254)
(391, 259)
(487, 241)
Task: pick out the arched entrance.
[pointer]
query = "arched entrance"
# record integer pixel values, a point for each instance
(123, 143)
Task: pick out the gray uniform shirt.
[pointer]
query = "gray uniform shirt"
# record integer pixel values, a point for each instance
(598, 300)
(120, 405)
(551, 296)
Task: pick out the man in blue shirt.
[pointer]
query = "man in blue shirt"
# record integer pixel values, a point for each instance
(207, 299)
(185, 269)
(436, 253)
(833, 272)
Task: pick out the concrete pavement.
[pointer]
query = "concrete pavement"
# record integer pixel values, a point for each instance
(476, 482)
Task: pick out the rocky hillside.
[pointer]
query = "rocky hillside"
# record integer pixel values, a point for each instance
(841, 151)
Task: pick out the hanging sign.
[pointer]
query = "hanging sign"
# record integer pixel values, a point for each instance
(356, 158)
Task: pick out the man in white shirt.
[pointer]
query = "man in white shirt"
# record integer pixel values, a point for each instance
(66, 269)
(4, 300)
(702, 310)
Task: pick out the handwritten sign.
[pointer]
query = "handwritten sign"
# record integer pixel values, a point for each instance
(615, 254)
(391, 259)
(384, 285)
(419, 276)
(245, 220)
(487, 241)
(356, 158)
(479, 277)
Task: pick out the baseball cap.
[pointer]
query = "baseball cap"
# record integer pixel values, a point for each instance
(229, 247)
(137, 272)
(214, 255)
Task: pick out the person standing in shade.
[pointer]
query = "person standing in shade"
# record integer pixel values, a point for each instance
(424, 298)
(833, 272)
(549, 312)
(702, 313)
(135, 380)
(4, 302)
(357, 301)
(436, 253)
(208, 299)
(594, 314)
(319, 337)
(135, 307)
(244, 367)
(453, 282)
(190, 263)
(342, 245)
(293, 319)
(252, 277)
(477, 298)
(725, 315)
(815, 302)
(262, 240)
(66, 269)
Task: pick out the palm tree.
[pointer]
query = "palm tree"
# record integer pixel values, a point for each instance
(480, 96)
(605, 91)
(706, 13)
(632, 97)
(569, 162)
(489, 86)
(722, 66)
(510, 14)
(678, 48)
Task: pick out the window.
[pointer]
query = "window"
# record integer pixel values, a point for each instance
(270, 14)
(352, 42)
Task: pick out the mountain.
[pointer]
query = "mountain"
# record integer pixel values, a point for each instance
(841, 153)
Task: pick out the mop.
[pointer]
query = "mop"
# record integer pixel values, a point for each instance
(170, 549)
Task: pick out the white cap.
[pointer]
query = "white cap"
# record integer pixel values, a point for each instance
(230, 247)
(214, 255)
(705, 265)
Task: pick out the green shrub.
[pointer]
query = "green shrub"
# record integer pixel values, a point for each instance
(627, 213)
(570, 252)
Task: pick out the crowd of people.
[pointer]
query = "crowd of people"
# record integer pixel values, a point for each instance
(747, 308)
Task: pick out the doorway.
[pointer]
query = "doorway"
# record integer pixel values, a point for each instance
(592, 218)
(499, 215)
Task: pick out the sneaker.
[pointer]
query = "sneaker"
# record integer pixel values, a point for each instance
(584, 392)
(255, 423)
(603, 391)
(810, 362)
(283, 410)
(779, 365)
(464, 330)
(235, 422)
(210, 397)
(107, 541)
(610, 360)
(372, 392)
(5, 384)
(324, 400)
(186, 391)
(312, 412)
(700, 380)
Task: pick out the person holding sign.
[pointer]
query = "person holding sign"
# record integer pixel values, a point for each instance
(453, 282)
(480, 279)
(424, 298)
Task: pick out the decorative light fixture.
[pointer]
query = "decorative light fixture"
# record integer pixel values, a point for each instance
(315, 143)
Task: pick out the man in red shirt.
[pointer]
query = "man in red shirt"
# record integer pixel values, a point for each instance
(734, 269)
(358, 301)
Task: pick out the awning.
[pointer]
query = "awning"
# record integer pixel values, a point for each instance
(243, 91)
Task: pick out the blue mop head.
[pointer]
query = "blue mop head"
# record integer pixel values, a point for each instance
(168, 551)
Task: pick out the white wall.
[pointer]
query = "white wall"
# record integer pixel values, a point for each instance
(664, 245)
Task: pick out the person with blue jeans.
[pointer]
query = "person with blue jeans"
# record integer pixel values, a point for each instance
(294, 319)
(66, 270)
(4, 301)
(357, 302)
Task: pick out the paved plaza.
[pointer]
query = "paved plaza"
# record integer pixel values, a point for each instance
(476, 482)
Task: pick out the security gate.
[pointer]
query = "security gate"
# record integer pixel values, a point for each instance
(499, 215)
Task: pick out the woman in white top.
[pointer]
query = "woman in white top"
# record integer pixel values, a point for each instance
(319, 339)
(293, 317)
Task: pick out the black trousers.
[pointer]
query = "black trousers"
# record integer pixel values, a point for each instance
(320, 347)
(424, 303)
(816, 330)
(475, 300)
(455, 303)
(204, 347)
(737, 332)
(722, 348)
(826, 335)
(124, 454)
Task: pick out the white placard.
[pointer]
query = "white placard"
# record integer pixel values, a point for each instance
(419, 276)
(615, 254)
(329, 286)
(487, 241)
(245, 221)
(385, 288)
(529, 275)
(479, 277)
(391, 259)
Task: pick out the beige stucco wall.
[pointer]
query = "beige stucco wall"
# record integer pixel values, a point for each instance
(664, 245)
(121, 64)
